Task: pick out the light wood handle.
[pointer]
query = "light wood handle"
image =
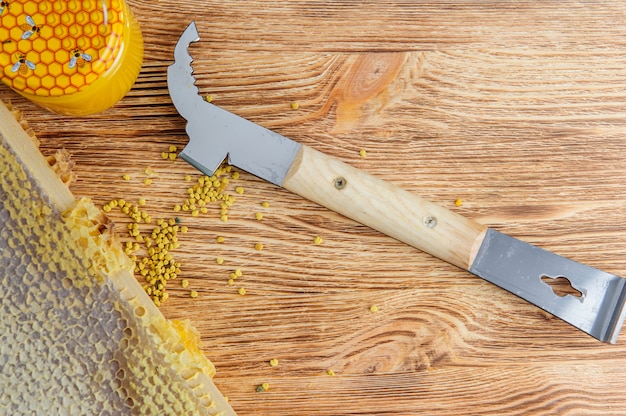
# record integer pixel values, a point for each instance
(385, 207)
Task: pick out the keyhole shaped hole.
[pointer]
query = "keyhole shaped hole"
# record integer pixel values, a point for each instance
(561, 286)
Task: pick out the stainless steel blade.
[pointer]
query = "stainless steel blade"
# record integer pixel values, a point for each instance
(505, 261)
(215, 134)
(519, 267)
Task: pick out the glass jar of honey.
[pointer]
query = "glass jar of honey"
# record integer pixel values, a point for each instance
(76, 57)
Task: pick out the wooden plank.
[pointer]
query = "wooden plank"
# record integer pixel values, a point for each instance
(517, 108)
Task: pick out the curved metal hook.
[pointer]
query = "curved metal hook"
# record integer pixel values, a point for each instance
(180, 80)
(215, 133)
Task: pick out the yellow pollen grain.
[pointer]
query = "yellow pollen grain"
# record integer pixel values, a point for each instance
(374, 308)
(258, 216)
(126, 177)
(458, 202)
(208, 98)
(258, 246)
(220, 239)
(219, 260)
(330, 372)
(363, 153)
(318, 240)
(184, 283)
(173, 148)
(265, 204)
(193, 294)
(241, 291)
(239, 190)
(294, 105)
(147, 181)
(274, 362)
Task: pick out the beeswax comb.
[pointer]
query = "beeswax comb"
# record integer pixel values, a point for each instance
(73, 57)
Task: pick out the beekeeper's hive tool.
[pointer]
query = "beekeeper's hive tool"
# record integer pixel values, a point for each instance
(503, 260)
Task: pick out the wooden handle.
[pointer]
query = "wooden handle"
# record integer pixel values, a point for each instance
(385, 207)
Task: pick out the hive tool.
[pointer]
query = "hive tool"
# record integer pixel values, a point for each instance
(521, 268)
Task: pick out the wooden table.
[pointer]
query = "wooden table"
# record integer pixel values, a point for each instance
(518, 109)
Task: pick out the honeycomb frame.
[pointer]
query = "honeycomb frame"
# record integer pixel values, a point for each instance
(77, 332)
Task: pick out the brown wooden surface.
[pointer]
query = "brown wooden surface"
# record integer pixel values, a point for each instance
(518, 108)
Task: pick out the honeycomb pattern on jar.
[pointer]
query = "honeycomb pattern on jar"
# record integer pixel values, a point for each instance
(54, 48)
(72, 338)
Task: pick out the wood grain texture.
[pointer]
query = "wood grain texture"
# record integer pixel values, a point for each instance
(517, 108)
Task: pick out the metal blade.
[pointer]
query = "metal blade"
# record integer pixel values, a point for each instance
(215, 133)
(519, 267)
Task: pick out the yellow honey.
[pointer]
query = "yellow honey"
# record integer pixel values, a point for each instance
(73, 57)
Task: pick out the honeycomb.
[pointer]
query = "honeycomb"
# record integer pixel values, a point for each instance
(78, 336)
(52, 48)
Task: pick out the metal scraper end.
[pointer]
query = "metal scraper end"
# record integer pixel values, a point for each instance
(521, 268)
(216, 134)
